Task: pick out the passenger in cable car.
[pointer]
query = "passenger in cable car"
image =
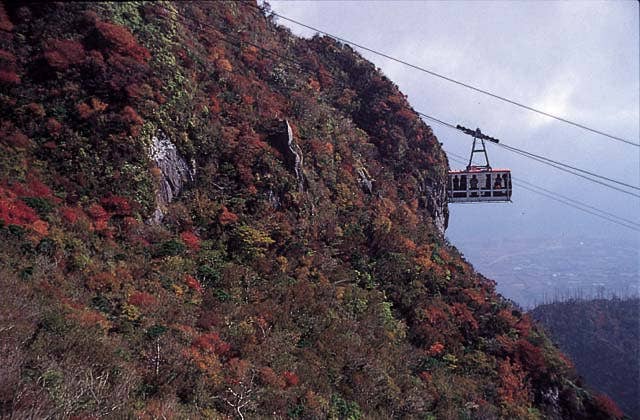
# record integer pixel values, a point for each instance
(474, 185)
(463, 182)
(474, 182)
(487, 186)
(458, 188)
(497, 186)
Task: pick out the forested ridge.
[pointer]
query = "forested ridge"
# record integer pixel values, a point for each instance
(204, 216)
(602, 337)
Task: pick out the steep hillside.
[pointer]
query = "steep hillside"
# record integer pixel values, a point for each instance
(602, 337)
(205, 216)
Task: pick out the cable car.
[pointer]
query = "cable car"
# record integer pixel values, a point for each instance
(479, 183)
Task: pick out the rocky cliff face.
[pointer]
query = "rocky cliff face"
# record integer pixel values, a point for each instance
(174, 173)
(296, 265)
(283, 140)
(435, 204)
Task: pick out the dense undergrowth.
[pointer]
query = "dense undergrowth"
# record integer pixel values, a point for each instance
(272, 288)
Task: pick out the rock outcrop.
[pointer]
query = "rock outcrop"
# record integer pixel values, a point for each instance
(174, 173)
(297, 283)
(365, 180)
(291, 153)
(434, 200)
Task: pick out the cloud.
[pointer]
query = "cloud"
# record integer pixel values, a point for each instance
(555, 100)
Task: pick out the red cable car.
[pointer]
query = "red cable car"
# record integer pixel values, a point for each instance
(479, 183)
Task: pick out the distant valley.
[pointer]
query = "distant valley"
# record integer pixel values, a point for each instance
(532, 271)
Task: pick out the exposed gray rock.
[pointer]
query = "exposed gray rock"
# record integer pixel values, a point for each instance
(551, 397)
(291, 152)
(434, 200)
(297, 157)
(365, 180)
(175, 172)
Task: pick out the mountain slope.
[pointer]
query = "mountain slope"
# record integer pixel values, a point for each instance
(602, 337)
(205, 216)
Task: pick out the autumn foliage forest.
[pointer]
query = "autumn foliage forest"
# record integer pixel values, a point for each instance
(602, 336)
(302, 280)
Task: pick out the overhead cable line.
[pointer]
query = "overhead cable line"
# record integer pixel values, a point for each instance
(466, 85)
(629, 224)
(577, 174)
(550, 162)
(533, 155)
(613, 218)
(556, 198)
(580, 203)
(460, 159)
(537, 157)
(300, 66)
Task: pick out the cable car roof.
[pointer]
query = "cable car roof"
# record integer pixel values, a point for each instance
(478, 170)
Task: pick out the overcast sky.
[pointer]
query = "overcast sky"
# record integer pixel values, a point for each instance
(578, 60)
